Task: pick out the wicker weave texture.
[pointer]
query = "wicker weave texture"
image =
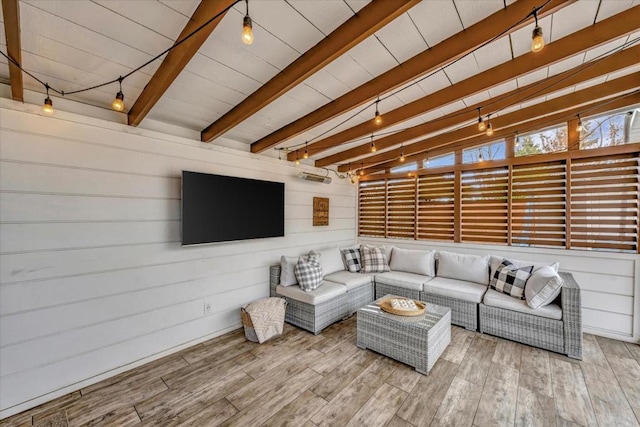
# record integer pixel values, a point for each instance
(463, 313)
(359, 297)
(383, 289)
(417, 341)
(571, 316)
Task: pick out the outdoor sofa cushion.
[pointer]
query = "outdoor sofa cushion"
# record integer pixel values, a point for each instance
(498, 299)
(323, 293)
(454, 288)
(402, 279)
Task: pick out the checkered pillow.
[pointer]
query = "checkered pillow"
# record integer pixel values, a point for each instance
(308, 272)
(374, 260)
(510, 279)
(352, 259)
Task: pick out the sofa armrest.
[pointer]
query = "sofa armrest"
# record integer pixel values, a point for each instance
(572, 316)
(274, 279)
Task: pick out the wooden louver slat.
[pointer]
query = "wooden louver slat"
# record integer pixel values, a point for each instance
(371, 208)
(484, 202)
(435, 207)
(401, 195)
(604, 214)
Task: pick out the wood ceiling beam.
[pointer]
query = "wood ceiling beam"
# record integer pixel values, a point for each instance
(588, 38)
(11, 12)
(579, 74)
(421, 64)
(521, 117)
(367, 21)
(178, 58)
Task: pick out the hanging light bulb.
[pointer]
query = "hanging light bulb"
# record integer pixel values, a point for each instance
(537, 40)
(297, 159)
(378, 118)
(361, 168)
(118, 103)
(480, 158)
(481, 125)
(306, 151)
(247, 27)
(402, 153)
(373, 145)
(489, 127)
(579, 127)
(47, 107)
(426, 162)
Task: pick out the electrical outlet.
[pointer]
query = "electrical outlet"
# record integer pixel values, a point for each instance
(207, 307)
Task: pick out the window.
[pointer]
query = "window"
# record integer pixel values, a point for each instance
(491, 151)
(440, 161)
(405, 168)
(545, 141)
(607, 130)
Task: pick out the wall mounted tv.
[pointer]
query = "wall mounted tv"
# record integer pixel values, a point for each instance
(217, 208)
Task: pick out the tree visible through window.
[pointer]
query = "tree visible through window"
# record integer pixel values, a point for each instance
(546, 141)
(604, 131)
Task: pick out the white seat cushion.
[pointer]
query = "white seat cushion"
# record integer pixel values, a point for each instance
(402, 279)
(325, 292)
(454, 288)
(350, 280)
(498, 299)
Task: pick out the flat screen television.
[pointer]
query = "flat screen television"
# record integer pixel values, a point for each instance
(217, 208)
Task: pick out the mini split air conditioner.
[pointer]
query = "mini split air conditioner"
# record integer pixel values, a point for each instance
(308, 176)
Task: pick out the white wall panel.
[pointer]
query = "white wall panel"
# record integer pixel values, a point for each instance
(93, 279)
(609, 282)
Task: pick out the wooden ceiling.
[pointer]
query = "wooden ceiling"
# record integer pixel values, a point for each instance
(316, 63)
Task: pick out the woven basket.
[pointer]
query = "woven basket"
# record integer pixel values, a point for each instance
(249, 328)
(385, 305)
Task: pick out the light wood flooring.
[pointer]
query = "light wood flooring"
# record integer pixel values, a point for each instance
(300, 379)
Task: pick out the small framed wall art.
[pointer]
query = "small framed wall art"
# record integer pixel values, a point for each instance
(320, 211)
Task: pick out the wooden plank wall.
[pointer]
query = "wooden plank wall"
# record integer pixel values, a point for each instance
(93, 279)
(610, 282)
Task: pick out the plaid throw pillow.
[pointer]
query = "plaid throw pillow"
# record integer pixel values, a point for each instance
(308, 272)
(374, 260)
(510, 279)
(352, 259)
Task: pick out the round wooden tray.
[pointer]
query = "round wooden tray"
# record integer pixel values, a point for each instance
(385, 305)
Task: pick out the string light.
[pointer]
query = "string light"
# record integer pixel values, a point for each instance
(373, 145)
(481, 125)
(401, 153)
(247, 27)
(427, 161)
(579, 127)
(118, 103)
(297, 159)
(306, 151)
(489, 127)
(378, 118)
(361, 168)
(480, 158)
(537, 40)
(47, 108)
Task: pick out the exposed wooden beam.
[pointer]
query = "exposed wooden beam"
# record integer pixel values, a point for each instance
(178, 58)
(421, 64)
(620, 85)
(579, 74)
(588, 38)
(11, 12)
(367, 21)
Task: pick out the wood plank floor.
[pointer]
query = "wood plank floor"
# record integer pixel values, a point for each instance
(300, 379)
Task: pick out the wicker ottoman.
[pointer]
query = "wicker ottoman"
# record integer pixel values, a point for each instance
(417, 341)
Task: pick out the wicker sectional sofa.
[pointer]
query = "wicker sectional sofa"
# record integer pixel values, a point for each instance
(474, 305)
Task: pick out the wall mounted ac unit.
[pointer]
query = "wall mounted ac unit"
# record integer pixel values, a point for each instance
(308, 176)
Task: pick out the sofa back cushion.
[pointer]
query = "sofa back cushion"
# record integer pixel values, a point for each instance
(495, 261)
(374, 259)
(287, 266)
(330, 260)
(543, 287)
(411, 261)
(470, 268)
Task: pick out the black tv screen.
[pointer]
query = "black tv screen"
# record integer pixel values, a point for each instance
(217, 208)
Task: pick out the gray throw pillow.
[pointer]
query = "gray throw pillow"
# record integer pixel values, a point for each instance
(308, 272)
(374, 260)
(543, 287)
(351, 258)
(287, 275)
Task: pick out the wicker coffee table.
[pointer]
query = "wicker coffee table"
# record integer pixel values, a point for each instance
(417, 341)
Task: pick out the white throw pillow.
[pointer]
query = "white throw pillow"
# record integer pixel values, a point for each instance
(495, 262)
(470, 268)
(411, 261)
(330, 260)
(287, 266)
(543, 287)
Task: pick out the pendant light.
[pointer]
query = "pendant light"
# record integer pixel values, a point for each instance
(378, 118)
(481, 124)
(306, 150)
(426, 162)
(247, 27)
(537, 40)
(297, 158)
(579, 127)
(480, 158)
(373, 145)
(402, 153)
(361, 168)
(489, 127)
(47, 107)
(118, 103)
